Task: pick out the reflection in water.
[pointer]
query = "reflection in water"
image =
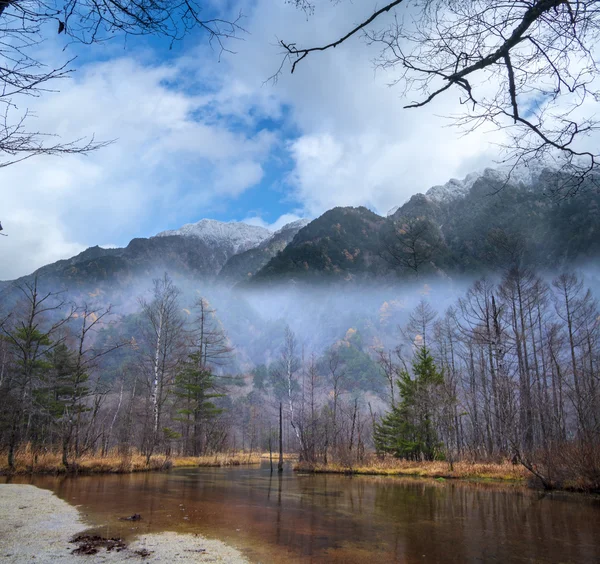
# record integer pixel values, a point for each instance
(327, 518)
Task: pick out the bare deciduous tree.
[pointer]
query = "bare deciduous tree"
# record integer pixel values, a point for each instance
(411, 244)
(86, 358)
(161, 353)
(26, 71)
(285, 372)
(526, 66)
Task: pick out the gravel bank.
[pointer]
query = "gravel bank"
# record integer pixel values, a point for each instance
(36, 526)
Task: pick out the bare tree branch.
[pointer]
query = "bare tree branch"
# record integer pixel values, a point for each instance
(24, 26)
(528, 67)
(300, 54)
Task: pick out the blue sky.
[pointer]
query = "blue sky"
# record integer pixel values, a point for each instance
(199, 137)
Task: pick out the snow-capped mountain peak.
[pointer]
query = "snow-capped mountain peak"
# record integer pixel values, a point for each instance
(456, 188)
(298, 224)
(237, 236)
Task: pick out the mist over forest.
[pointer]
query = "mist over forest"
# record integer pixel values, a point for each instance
(361, 333)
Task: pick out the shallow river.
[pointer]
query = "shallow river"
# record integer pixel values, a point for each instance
(330, 518)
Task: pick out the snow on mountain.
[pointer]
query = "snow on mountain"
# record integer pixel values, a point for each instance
(455, 188)
(297, 225)
(237, 237)
(286, 232)
(526, 175)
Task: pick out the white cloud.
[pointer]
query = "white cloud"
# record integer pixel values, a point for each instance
(236, 178)
(166, 162)
(33, 239)
(282, 220)
(356, 144)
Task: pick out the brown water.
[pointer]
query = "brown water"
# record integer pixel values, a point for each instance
(332, 518)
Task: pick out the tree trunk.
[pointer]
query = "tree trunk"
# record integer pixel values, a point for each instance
(280, 465)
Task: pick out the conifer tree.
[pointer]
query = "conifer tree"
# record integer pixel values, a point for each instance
(195, 385)
(408, 430)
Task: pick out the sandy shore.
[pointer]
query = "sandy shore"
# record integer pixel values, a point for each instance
(36, 526)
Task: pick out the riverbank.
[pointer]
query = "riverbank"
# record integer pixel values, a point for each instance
(35, 525)
(27, 462)
(506, 471)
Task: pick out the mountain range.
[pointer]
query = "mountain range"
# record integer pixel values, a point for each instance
(464, 226)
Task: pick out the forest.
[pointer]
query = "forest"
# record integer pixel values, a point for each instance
(507, 374)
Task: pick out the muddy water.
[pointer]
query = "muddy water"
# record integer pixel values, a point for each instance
(330, 518)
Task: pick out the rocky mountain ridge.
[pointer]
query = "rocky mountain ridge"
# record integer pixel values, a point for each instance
(465, 227)
(244, 265)
(198, 250)
(459, 188)
(233, 237)
(462, 224)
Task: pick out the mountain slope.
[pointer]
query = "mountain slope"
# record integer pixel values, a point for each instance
(199, 250)
(549, 232)
(245, 264)
(463, 227)
(341, 244)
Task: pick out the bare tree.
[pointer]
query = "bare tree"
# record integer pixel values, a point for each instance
(209, 336)
(337, 373)
(390, 371)
(411, 244)
(285, 372)
(312, 421)
(526, 66)
(24, 71)
(518, 290)
(161, 353)
(578, 310)
(86, 358)
(280, 462)
(419, 323)
(446, 341)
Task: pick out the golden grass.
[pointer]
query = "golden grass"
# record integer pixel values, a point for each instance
(286, 456)
(27, 462)
(218, 459)
(463, 470)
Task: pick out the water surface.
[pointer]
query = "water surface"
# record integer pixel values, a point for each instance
(340, 519)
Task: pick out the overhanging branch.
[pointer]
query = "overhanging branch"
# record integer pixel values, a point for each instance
(303, 53)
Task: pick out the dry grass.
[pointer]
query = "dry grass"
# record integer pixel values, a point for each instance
(286, 456)
(219, 459)
(28, 462)
(504, 471)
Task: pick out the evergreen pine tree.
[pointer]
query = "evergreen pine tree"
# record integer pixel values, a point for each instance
(408, 430)
(195, 385)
